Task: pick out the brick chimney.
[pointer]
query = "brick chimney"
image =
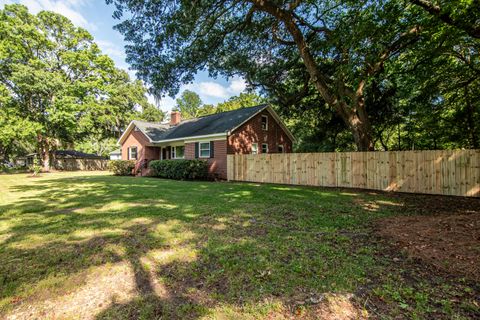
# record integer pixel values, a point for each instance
(175, 118)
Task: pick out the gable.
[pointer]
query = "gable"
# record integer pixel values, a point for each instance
(272, 116)
(220, 124)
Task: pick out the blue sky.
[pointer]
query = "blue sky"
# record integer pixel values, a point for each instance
(96, 17)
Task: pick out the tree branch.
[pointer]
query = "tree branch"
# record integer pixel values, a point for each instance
(471, 29)
(277, 38)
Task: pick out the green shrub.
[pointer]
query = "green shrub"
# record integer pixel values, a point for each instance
(121, 167)
(180, 169)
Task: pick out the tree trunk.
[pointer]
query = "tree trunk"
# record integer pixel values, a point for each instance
(46, 159)
(355, 115)
(361, 135)
(44, 152)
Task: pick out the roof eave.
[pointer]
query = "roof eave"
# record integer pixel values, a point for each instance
(220, 134)
(274, 114)
(127, 131)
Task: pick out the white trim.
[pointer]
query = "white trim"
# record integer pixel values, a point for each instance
(281, 146)
(194, 138)
(248, 119)
(200, 150)
(220, 136)
(127, 131)
(274, 115)
(265, 144)
(256, 149)
(129, 154)
(174, 151)
(266, 122)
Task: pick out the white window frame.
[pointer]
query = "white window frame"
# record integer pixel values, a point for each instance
(130, 153)
(204, 149)
(265, 144)
(281, 146)
(174, 152)
(254, 150)
(266, 122)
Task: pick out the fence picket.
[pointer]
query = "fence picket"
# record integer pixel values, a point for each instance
(432, 172)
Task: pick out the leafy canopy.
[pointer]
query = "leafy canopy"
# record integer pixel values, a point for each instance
(56, 87)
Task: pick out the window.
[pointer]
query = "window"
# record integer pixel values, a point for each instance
(280, 148)
(264, 122)
(254, 148)
(132, 153)
(179, 152)
(264, 148)
(204, 149)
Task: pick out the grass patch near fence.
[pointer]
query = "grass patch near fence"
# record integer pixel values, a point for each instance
(92, 245)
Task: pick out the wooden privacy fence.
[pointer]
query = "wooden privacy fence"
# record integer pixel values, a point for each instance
(73, 164)
(448, 172)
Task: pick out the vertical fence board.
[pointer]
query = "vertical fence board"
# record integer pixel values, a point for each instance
(433, 172)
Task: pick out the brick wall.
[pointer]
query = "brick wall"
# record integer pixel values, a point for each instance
(240, 141)
(217, 164)
(135, 139)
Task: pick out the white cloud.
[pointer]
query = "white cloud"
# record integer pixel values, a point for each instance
(209, 91)
(213, 89)
(111, 49)
(68, 8)
(237, 85)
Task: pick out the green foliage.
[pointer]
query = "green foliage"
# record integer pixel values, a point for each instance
(121, 167)
(96, 144)
(180, 169)
(244, 100)
(35, 168)
(406, 76)
(152, 114)
(189, 104)
(56, 86)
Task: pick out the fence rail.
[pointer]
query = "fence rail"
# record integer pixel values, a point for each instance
(447, 172)
(72, 164)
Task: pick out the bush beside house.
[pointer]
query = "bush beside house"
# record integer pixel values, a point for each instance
(180, 169)
(121, 167)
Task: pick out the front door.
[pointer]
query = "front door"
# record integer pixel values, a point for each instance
(166, 153)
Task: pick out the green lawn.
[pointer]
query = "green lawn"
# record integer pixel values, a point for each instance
(91, 245)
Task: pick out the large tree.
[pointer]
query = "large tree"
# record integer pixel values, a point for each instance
(189, 104)
(340, 45)
(57, 87)
(461, 14)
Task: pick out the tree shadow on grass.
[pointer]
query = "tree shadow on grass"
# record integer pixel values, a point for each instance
(250, 244)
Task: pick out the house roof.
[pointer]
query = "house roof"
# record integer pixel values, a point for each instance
(211, 124)
(76, 154)
(70, 154)
(116, 151)
(219, 123)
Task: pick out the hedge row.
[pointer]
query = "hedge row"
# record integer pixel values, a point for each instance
(180, 169)
(121, 167)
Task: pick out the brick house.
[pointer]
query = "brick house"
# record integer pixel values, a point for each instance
(249, 130)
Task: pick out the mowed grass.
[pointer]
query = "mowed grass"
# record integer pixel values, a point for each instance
(92, 245)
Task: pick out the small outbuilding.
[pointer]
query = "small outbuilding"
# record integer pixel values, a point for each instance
(69, 160)
(116, 154)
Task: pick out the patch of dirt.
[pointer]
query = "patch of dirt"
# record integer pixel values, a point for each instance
(451, 242)
(103, 287)
(424, 204)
